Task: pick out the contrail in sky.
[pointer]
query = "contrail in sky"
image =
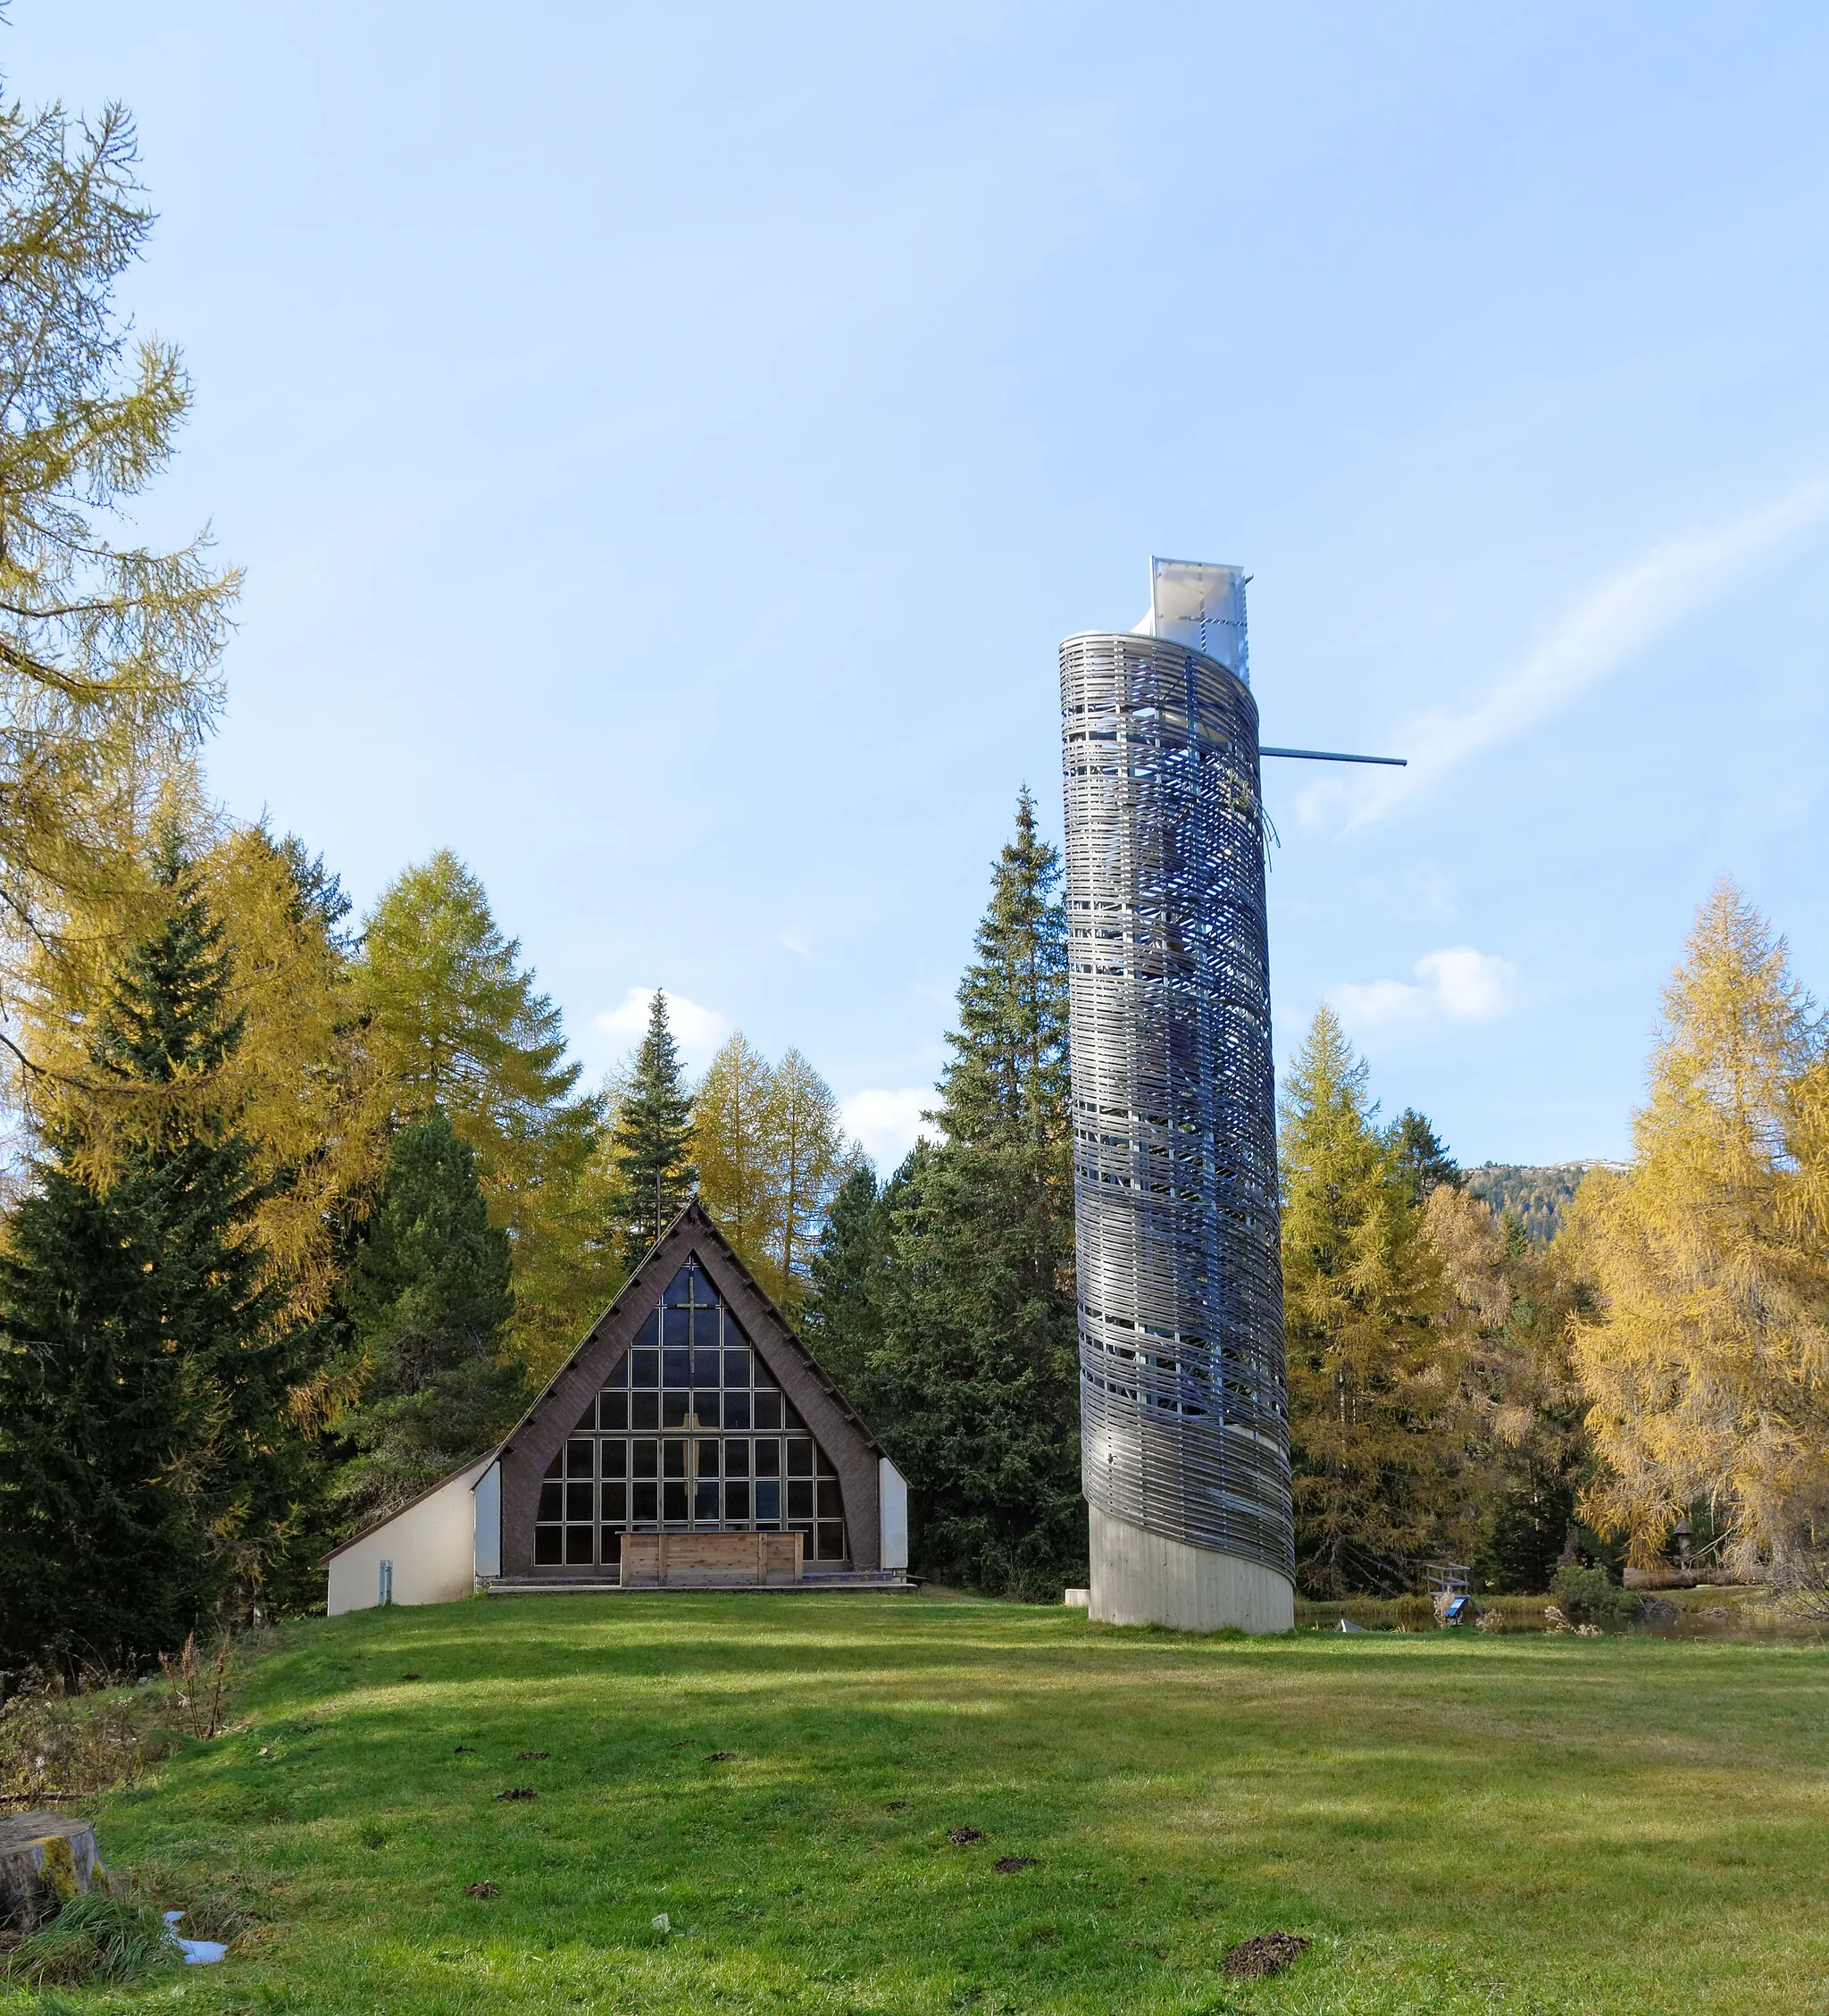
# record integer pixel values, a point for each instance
(1618, 620)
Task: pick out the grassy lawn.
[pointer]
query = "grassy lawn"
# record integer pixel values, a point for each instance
(1459, 1824)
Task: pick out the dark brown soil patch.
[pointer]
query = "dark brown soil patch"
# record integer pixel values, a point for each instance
(964, 1836)
(1007, 1865)
(480, 1890)
(518, 1792)
(1268, 1953)
(532, 1756)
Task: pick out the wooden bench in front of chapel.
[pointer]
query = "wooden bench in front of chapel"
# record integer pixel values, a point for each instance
(703, 1561)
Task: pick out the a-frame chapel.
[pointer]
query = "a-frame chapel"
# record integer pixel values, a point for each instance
(690, 1441)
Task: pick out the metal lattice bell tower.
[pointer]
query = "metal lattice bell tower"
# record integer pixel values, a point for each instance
(1182, 1385)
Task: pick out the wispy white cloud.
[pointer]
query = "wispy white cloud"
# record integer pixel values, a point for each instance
(1608, 627)
(887, 1123)
(796, 942)
(1414, 895)
(698, 1031)
(1455, 985)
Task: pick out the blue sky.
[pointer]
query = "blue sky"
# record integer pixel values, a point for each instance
(667, 445)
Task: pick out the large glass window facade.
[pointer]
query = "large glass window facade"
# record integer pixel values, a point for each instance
(692, 1435)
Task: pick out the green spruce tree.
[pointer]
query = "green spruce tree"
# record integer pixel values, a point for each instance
(1418, 1155)
(960, 1343)
(429, 1305)
(148, 1474)
(842, 1320)
(1521, 1410)
(651, 1144)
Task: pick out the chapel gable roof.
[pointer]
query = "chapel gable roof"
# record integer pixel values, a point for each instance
(694, 1231)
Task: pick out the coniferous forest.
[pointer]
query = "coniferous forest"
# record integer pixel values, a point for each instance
(305, 1206)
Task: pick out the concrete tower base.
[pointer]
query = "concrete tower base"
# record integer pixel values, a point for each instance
(1140, 1577)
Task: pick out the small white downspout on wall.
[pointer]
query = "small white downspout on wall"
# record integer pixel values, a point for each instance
(892, 1498)
(487, 1494)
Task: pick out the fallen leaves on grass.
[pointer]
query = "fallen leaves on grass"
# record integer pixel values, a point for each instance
(1007, 1865)
(964, 1836)
(1251, 1960)
(481, 1890)
(517, 1792)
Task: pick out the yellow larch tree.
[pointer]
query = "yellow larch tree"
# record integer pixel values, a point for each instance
(810, 1158)
(299, 1083)
(453, 1020)
(771, 1153)
(1706, 1364)
(1374, 1357)
(731, 1116)
(303, 1080)
(108, 651)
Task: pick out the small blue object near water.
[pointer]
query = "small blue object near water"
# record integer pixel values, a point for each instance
(1457, 1608)
(197, 1953)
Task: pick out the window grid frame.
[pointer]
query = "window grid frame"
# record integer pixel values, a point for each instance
(574, 1526)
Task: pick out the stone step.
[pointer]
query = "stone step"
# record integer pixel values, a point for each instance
(813, 1582)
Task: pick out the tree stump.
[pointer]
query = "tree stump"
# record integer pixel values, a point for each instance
(44, 1859)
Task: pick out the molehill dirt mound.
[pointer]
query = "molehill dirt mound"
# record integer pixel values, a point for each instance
(1268, 1953)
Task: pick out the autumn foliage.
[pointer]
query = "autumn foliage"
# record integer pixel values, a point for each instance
(1706, 1361)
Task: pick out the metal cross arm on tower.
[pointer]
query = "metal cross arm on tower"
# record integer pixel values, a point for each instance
(1336, 756)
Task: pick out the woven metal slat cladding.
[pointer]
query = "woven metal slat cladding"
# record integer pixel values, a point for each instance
(1182, 1382)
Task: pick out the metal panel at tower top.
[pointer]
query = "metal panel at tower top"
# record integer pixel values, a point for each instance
(1194, 602)
(1183, 1394)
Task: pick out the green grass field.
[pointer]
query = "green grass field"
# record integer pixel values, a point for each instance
(1459, 1824)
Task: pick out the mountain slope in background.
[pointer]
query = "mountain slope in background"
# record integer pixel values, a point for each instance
(1536, 1197)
